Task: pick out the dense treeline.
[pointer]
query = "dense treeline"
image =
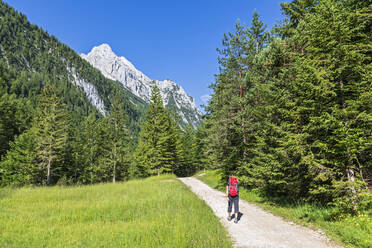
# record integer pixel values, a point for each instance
(291, 109)
(163, 146)
(53, 149)
(50, 146)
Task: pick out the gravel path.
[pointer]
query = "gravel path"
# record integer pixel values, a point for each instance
(257, 228)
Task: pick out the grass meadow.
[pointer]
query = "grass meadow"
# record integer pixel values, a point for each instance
(153, 212)
(350, 231)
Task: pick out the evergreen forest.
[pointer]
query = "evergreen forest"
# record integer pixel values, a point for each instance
(291, 109)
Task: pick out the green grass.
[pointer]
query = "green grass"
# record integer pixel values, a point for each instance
(350, 231)
(154, 212)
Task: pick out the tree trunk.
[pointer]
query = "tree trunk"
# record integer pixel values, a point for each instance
(48, 172)
(114, 169)
(351, 177)
(241, 109)
(114, 174)
(350, 172)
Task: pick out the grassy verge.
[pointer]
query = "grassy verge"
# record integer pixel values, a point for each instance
(154, 212)
(351, 231)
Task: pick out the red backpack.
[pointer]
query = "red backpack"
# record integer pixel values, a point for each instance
(234, 187)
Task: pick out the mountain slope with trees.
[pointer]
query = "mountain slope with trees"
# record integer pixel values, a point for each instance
(51, 102)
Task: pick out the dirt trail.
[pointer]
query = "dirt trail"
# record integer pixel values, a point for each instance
(257, 228)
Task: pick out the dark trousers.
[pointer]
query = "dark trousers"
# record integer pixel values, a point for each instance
(233, 200)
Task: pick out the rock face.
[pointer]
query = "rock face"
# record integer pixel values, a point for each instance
(120, 69)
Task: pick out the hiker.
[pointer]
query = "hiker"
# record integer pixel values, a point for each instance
(232, 195)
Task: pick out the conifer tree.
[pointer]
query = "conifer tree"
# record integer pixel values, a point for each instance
(119, 139)
(225, 143)
(199, 148)
(52, 127)
(15, 118)
(94, 148)
(229, 128)
(188, 139)
(157, 151)
(20, 166)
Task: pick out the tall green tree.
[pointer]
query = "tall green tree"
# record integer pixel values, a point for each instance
(187, 166)
(119, 138)
(199, 148)
(157, 148)
(52, 131)
(225, 143)
(91, 150)
(20, 166)
(228, 127)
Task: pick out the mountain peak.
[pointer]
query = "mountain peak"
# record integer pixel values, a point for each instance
(103, 47)
(103, 50)
(120, 69)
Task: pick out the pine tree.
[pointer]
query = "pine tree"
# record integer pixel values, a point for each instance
(20, 166)
(52, 127)
(300, 126)
(94, 148)
(157, 148)
(15, 118)
(189, 163)
(226, 145)
(229, 121)
(199, 147)
(119, 139)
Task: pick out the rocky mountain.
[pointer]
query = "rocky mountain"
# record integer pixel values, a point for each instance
(121, 70)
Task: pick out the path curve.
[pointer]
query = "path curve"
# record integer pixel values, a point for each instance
(257, 228)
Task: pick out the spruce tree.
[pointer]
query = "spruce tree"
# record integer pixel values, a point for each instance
(199, 147)
(19, 166)
(230, 129)
(95, 132)
(225, 143)
(52, 127)
(157, 151)
(188, 139)
(119, 139)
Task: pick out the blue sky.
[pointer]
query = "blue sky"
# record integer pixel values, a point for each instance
(166, 39)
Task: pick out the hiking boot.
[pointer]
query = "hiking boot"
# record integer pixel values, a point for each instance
(229, 218)
(236, 220)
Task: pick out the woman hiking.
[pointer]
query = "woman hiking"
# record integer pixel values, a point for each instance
(232, 195)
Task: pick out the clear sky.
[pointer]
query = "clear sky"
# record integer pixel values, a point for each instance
(165, 39)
